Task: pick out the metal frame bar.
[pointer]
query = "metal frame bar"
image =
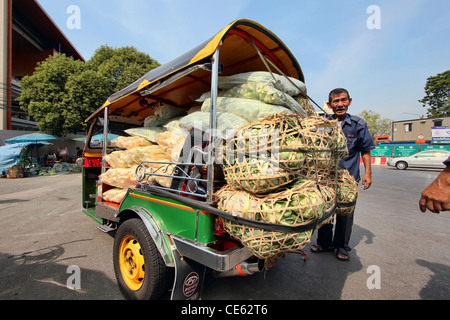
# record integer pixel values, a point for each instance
(105, 138)
(212, 124)
(153, 172)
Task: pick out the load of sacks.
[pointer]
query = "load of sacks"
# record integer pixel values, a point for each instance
(243, 99)
(282, 170)
(279, 158)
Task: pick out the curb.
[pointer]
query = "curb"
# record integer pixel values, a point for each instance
(380, 161)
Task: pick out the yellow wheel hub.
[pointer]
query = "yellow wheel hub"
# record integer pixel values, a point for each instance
(131, 262)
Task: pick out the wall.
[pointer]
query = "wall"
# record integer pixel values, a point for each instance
(419, 126)
(3, 62)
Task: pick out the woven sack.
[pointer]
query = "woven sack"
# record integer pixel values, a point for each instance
(324, 144)
(329, 196)
(306, 105)
(255, 159)
(301, 204)
(347, 191)
(270, 153)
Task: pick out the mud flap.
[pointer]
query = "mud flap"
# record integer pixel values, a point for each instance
(189, 276)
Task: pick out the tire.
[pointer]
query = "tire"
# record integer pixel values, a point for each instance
(401, 165)
(140, 270)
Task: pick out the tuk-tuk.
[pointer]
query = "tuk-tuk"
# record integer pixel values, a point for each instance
(167, 237)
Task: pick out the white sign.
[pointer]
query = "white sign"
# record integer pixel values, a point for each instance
(440, 133)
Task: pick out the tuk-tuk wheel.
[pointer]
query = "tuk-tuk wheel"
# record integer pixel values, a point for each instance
(140, 270)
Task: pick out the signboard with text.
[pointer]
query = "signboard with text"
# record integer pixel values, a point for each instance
(405, 151)
(435, 147)
(382, 151)
(440, 133)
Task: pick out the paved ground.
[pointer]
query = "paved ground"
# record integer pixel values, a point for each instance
(44, 231)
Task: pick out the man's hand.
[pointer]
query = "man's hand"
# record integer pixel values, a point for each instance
(436, 197)
(367, 180)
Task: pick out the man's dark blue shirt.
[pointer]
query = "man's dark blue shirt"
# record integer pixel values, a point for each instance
(358, 140)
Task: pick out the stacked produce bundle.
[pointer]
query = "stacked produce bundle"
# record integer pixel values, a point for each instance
(115, 195)
(347, 191)
(282, 186)
(130, 157)
(120, 177)
(288, 85)
(270, 153)
(148, 133)
(264, 155)
(255, 95)
(130, 142)
(225, 121)
(304, 102)
(158, 163)
(297, 204)
(329, 196)
(274, 165)
(123, 163)
(260, 92)
(325, 145)
(244, 98)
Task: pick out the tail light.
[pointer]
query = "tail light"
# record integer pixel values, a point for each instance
(204, 171)
(219, 229)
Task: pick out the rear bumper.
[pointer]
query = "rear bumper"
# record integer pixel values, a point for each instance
(210, 257)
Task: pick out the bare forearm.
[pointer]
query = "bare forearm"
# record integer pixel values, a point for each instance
(436, 197)
(367, 177)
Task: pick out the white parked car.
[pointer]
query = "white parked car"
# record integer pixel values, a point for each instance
(424, 159)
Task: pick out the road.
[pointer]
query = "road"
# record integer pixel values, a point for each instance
(398, 252)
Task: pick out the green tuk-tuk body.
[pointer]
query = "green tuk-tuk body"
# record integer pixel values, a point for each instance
(166, 238)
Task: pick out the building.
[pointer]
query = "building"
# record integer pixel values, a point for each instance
(27, 36)
(417, 129)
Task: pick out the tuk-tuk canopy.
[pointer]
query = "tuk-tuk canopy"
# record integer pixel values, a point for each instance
(179, 82)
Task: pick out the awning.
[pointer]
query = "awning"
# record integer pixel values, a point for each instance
(32, 138)
(164, 85)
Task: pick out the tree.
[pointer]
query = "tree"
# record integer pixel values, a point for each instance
(377, 126)
(44, 94)
(122, 65)
(437, 90)
(63, 92)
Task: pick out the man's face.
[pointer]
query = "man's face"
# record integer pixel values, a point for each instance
(339, 104)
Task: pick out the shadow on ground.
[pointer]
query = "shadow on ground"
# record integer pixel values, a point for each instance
(44, 274)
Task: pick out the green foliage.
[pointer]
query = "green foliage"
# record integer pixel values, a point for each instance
(44, 94)
(122, 66)
(377, 126)
(63, 92)
(437, 90)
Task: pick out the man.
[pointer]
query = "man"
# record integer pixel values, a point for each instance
(359, 142)
(436, 197)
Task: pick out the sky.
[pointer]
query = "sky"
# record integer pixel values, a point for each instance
(381, 51)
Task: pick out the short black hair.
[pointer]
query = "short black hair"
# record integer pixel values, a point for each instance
(337, 91)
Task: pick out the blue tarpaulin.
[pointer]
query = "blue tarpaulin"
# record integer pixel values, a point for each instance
(10, 154)
(32, 137)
